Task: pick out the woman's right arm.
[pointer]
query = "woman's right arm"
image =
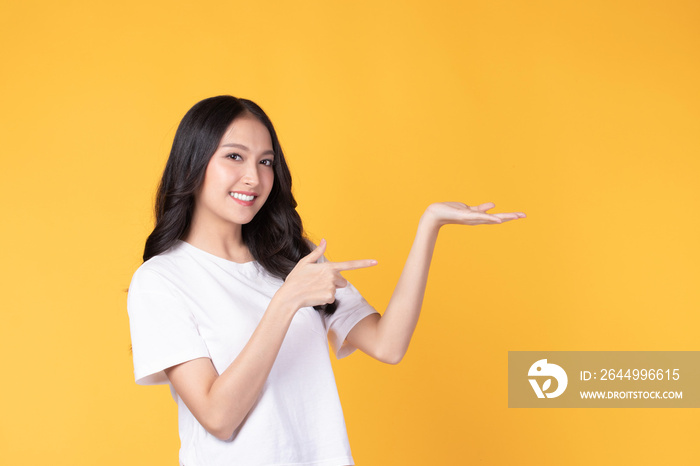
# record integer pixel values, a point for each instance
(221, 402)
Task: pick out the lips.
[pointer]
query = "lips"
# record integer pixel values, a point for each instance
(243, 198)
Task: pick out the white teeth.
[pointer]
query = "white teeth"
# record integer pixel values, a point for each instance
(242, 197)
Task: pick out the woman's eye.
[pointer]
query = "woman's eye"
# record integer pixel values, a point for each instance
(267, 162)
(234, 156)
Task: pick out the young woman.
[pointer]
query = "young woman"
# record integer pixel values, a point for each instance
(234, 308)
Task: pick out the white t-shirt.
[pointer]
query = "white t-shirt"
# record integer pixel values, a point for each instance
(187, 303)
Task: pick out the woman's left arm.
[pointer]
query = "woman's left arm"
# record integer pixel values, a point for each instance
(386, 337)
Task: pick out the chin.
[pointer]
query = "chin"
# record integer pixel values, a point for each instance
(243, 220)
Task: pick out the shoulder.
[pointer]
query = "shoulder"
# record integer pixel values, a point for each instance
(158, 286)
(164, 269)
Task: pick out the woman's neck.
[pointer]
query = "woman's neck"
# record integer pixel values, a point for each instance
(226, 244)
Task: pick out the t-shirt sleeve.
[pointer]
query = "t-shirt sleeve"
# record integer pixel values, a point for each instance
(352, 308)
(163, 331)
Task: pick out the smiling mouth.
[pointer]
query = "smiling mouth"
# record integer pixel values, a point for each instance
(242, 197)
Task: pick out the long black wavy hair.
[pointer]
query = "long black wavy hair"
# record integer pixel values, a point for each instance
(275, 236)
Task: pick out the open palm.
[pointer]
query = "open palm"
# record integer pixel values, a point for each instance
(445, 213)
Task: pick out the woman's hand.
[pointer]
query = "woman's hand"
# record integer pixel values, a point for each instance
(312, 284)
(444, 213)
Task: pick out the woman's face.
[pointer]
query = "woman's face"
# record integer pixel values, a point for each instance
(239, 176)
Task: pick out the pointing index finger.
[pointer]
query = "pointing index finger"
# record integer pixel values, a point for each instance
(351, 265)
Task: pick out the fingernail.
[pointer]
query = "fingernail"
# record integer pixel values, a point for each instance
(373, 262)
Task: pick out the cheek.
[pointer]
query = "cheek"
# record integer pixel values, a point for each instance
(269, 177)
(209, 187)
(211, 177)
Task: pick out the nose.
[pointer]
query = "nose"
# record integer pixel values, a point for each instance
(251, 177)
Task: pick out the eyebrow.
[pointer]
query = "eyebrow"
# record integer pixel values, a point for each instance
(241, 146)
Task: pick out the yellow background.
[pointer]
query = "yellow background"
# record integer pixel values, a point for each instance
(585, 115)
